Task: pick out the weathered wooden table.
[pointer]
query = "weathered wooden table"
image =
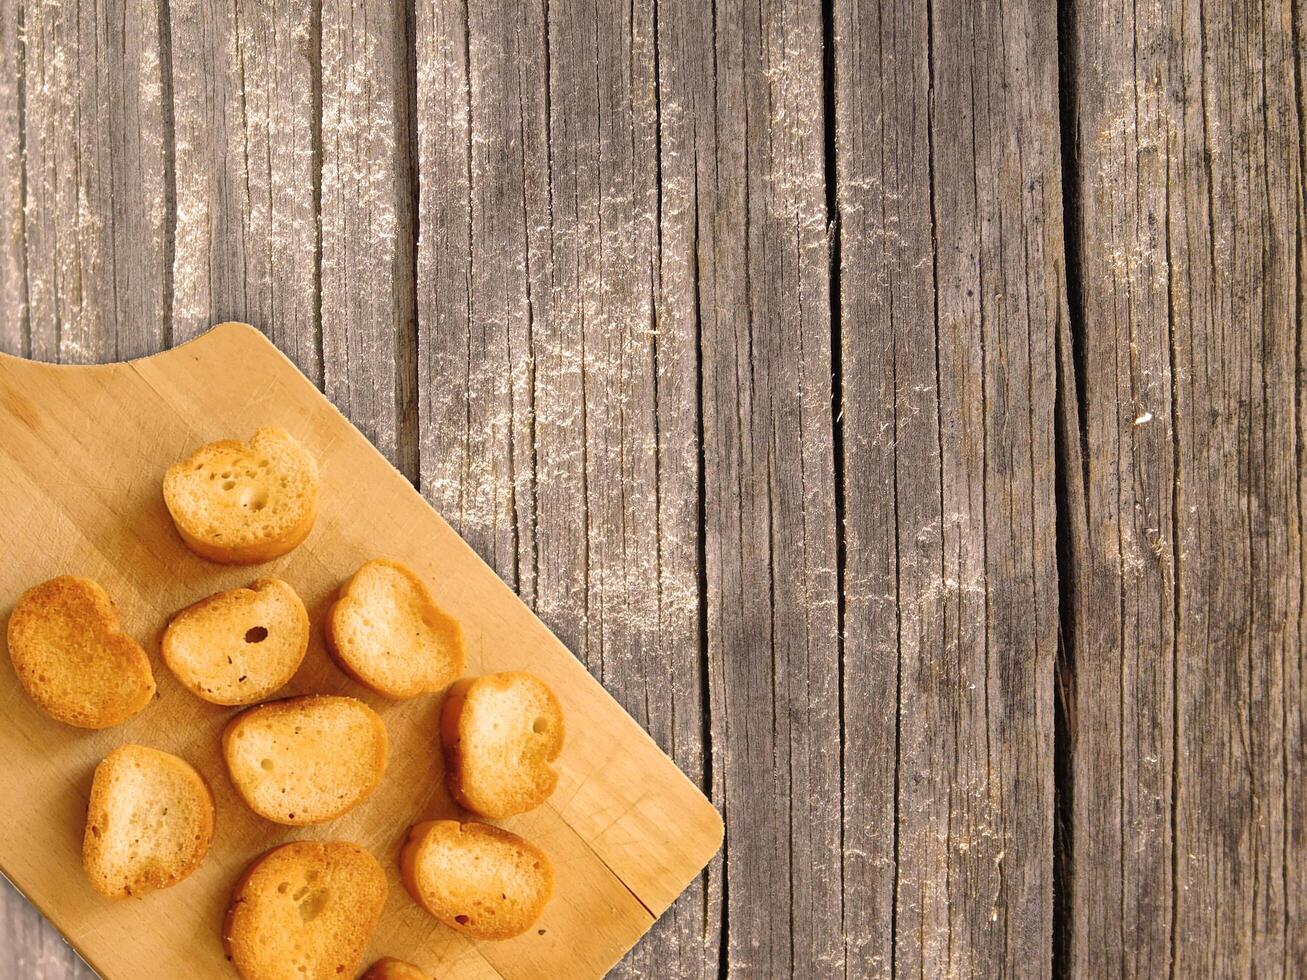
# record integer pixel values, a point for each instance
(899, 405)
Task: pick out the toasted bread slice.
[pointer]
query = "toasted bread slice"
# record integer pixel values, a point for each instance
(73, 659)
(306, 760)
(500, 733)
(393, 969)
(243, 503)
(304, 911)
(148, 824)
(480, 880)
(389, 635)
(238, 647)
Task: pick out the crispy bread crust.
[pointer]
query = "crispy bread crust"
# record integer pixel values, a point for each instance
(410, 866)
(342, 649)
(83, 604)
(456, 731)
(255, 960)
(241, 552)
(289, 707)
(234, 599)
(153, 877)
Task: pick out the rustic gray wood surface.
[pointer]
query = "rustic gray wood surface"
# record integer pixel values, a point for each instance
(898, 404)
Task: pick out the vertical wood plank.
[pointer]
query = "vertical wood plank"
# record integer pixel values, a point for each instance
(1188, 623)
(543, 355)
(563, 519)
(604, 352)
(95, 168)
(887, 308)
(948, 195)
(13, 261)
(689, 937)
(1124, 589)
(1000, 295)
(483, 157)
(770, 574)
(244, 80)
(367, 312)
(1295, 661)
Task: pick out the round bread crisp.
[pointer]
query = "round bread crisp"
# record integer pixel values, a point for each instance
(73, 659)
(306, 760)
(393, 969)
(244, 503)
(480, 880)
(305, 910)
(238, 647)
(500, 733)
(389, 635)
(149, 822)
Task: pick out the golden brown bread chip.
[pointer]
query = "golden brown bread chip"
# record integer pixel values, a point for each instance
(500, 733)
(148, 824)
(244, 503)
(389, 635)
(480, 880)
(240, 646)
(72, 657)
(306, 760)
(305, 910)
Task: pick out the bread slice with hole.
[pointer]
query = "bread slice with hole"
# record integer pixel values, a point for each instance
(393, 969)
(306, 760)
(304, 911)
(73, 658)
(238, 647)
(149, 822)
(242, 503)
(480, 880)
(388, 633)
(500, 733)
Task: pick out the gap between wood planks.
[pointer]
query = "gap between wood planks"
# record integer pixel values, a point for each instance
(1070, 434)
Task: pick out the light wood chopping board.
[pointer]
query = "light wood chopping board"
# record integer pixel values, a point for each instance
(82, 454)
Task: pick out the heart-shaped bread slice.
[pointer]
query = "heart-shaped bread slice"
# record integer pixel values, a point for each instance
(306, 760)
(73, 659)
(244, 503)
(393, 969)
(500, 733)
(148, 824)
(478, 879)
(238, 647)
(304, 911)
(389, 635)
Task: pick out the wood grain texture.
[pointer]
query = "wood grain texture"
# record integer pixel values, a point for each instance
(1188, 750)
(731, 336)
(30, 947)
(367, 305)
(951, 288)
(769, 500)
(13, 258)
(543, 349)
(689, 938)
(95, 194)
(482, 151)
(244, 83)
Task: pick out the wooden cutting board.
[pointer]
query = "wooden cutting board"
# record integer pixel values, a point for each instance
(82, 454)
